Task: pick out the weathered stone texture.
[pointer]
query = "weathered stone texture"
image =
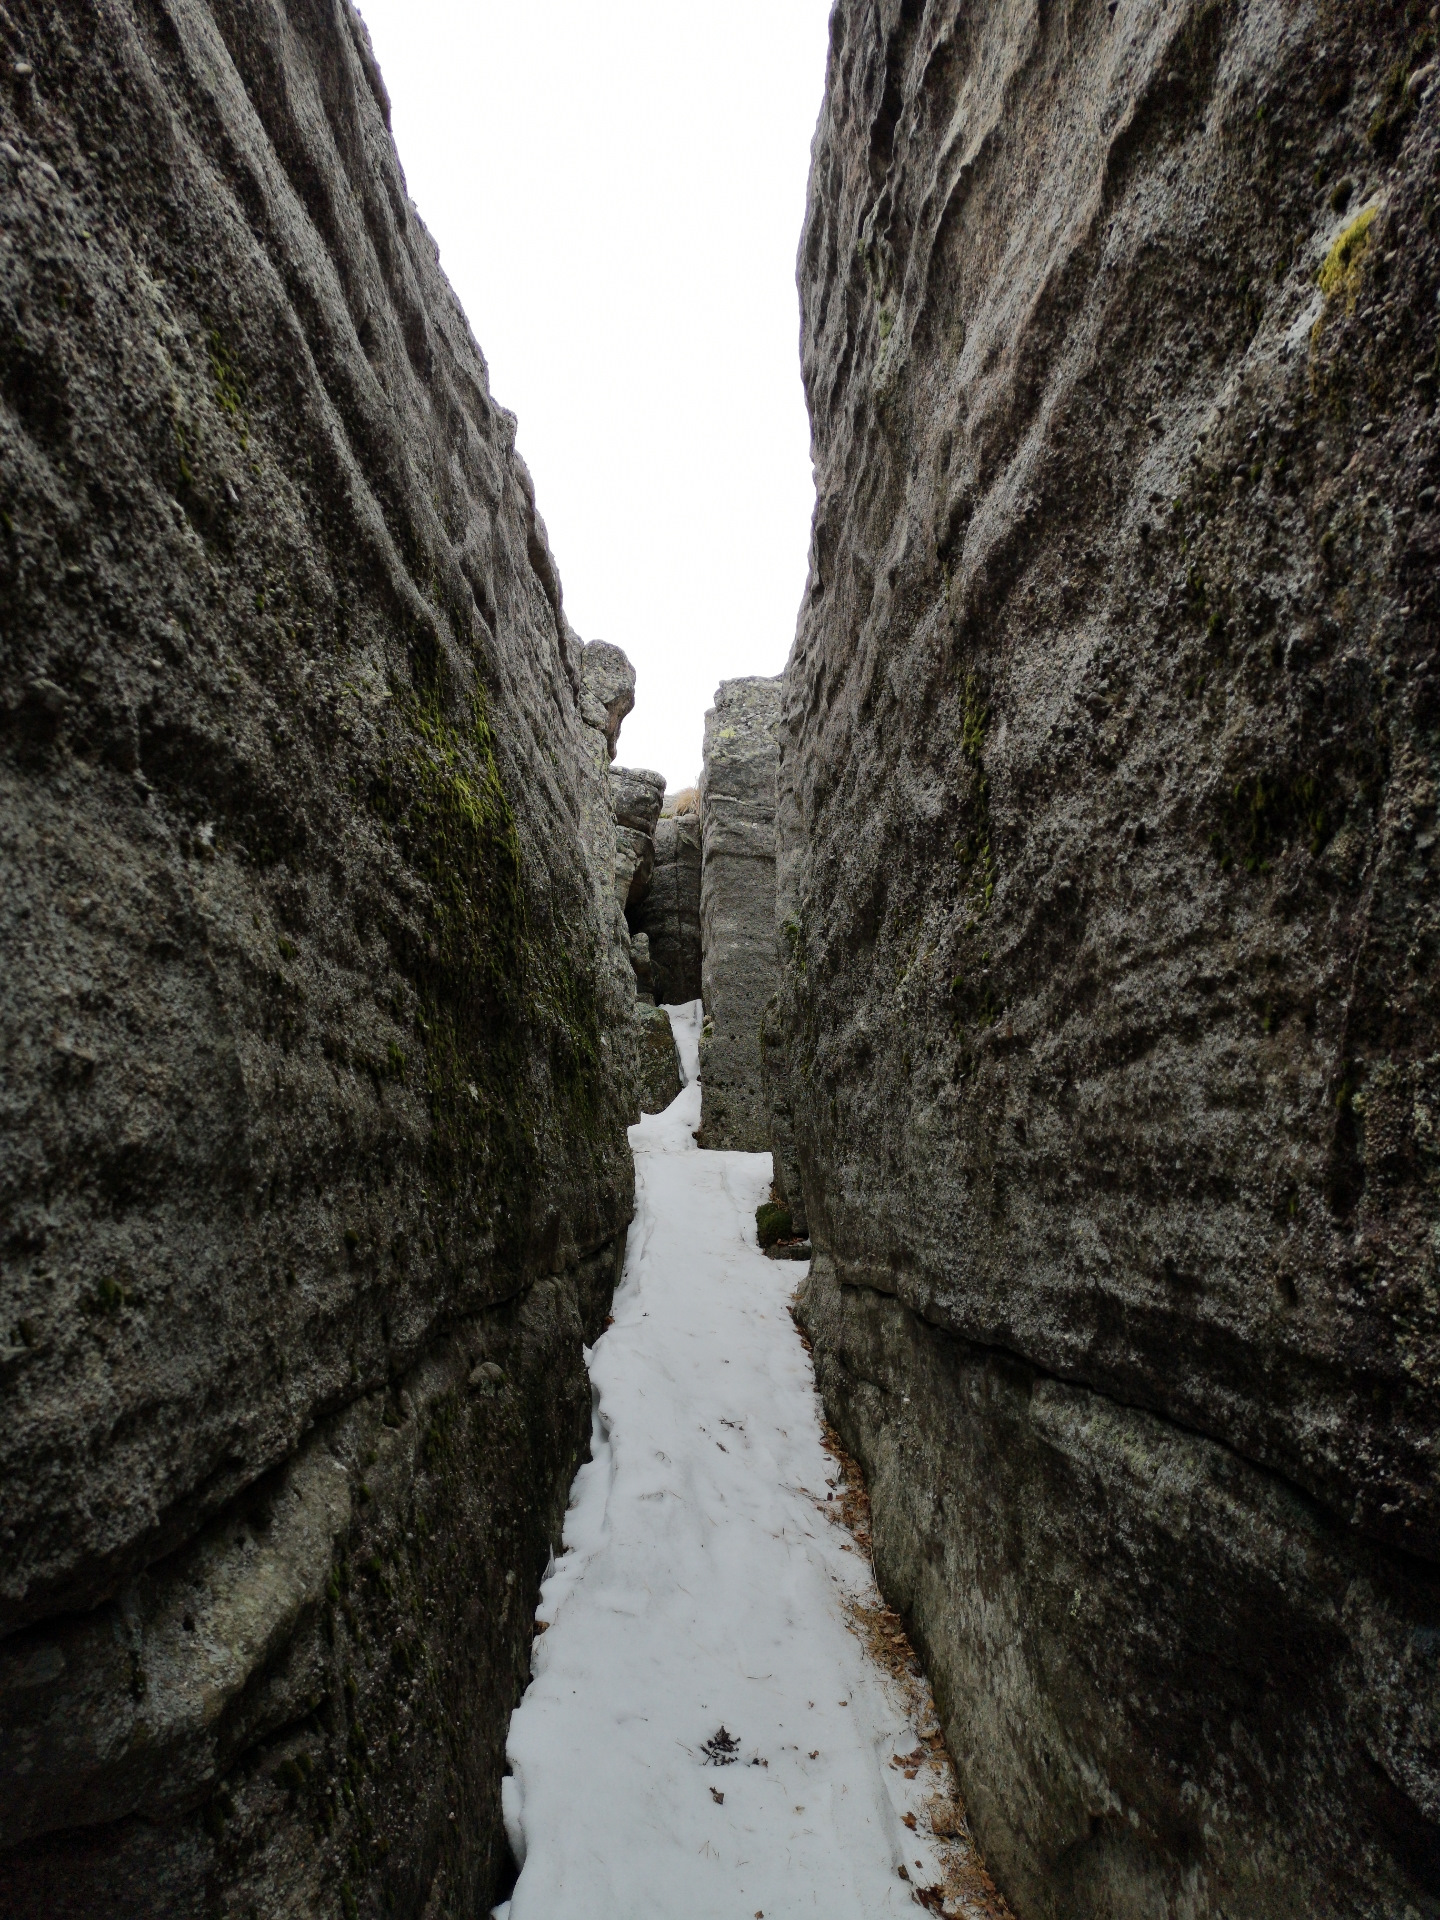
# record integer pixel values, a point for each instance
(737, 908)
(1108, 794)
(637, 795)
(317, 1025)
(323, 1674)
(608, 689)
(1172, 1685)
(669, 914)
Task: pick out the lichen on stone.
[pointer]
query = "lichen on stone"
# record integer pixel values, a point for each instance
(1341, 270)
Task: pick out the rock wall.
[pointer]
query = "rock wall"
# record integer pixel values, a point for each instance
(1107, 890)
(669, 914)
(318, 1029)
(737, 909)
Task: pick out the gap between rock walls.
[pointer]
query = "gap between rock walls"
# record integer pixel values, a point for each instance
(723, 1715)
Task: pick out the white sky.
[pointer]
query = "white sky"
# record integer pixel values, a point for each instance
(617, 188)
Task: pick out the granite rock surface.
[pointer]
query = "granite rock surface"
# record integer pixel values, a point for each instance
(318, 1020)
(737, 908)
(1108, 905)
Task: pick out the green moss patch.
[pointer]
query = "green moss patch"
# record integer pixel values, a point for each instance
(772, 1223)
(508, 1019)
(1264, 813)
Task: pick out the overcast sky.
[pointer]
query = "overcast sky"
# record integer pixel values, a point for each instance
(617, 188)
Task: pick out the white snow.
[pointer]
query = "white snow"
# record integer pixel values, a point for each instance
(702, 1588)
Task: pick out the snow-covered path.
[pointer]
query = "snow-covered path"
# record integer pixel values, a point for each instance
(701, 1601)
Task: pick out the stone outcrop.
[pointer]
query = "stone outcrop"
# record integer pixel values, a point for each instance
(318, 1028)
(737, 908)
(606, 852)
(608, 683)
(1107, 895)
(635, 795)
(669, 914)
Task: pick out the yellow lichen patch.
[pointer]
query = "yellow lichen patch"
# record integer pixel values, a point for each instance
(1341, 269)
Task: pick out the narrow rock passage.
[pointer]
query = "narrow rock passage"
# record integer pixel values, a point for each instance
(704, 1734)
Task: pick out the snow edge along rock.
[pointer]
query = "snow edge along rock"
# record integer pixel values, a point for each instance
(705, 1609)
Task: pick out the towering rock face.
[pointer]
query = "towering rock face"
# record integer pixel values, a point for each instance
(1108, 800)
(737, 908)
(669, 914)
(313, 1174)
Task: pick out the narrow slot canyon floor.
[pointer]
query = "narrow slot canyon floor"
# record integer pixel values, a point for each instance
(709, 1730)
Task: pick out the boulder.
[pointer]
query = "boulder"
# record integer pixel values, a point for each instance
(737, 908)
(640, 961)
(1109, 912)
(608, 681)
(660, 1080)
(637, 795)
